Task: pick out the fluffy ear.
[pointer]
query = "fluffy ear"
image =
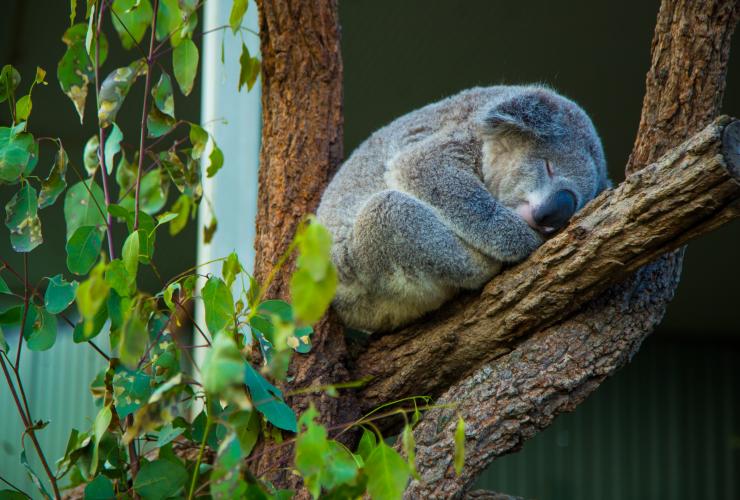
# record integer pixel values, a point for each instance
(536, 112)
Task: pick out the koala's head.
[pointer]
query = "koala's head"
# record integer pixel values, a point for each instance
(542, 157)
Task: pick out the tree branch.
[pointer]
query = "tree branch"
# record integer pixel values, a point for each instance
(691, 190)
(512, 398)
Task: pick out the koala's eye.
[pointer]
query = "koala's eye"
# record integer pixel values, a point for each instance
(548, 166)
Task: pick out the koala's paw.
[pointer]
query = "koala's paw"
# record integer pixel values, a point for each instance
(519, 246)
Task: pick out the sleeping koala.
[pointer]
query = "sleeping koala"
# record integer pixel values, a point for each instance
(438, 200)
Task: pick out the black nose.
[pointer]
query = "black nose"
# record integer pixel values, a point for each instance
(556, 210)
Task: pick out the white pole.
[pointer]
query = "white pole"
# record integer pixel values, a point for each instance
(234, 119)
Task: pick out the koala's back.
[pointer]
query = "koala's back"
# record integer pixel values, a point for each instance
(363, 173)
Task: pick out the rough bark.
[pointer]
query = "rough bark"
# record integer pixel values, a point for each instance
(691, 190)
(557, 368)
(301, 149)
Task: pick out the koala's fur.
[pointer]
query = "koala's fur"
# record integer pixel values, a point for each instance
(441, 198)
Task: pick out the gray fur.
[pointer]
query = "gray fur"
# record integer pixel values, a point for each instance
(438, 200)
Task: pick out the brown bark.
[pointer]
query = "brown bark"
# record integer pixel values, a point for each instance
(511, 399)
(301, 149)
(691, 190)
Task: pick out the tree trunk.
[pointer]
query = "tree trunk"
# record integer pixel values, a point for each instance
(301, 150)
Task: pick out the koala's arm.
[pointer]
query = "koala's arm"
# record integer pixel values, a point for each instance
(440, 173)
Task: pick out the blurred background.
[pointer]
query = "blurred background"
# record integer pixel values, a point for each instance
(665, 427)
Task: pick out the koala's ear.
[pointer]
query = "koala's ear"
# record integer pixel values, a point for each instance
(533, 112)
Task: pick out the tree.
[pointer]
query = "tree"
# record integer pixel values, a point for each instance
(595, 291)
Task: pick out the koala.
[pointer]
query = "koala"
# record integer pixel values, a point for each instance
(441, 198)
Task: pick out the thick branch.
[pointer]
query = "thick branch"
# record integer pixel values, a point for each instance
(513, 397)
(690, 191)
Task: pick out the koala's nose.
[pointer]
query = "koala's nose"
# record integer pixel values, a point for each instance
(555, 211)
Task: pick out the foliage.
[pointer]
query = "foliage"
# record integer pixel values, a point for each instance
(150, 404)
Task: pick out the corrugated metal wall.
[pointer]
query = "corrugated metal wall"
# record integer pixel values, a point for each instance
(56, 383)
(665, 427)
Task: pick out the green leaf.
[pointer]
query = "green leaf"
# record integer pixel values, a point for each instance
(100, 426)
(160, 479)
(22, 220)
(100, 488)
(83, 204)
(169, 19)
(23, 108)
(55, 182)
(249, 69)
(131, 18)
(185, 65)
(215, 161)
(163, 98)
(314, 282)
(83, 249)
(311, 451)
(112, 147)
(341, 467)
(91, 296)
(4, 347)
(41, 329)
(152, 195)
(90, 157)
(12, 495)
(387, 473)
(182, 208)
(231, 268)
(131, 390)
(223, 366)
(9, 81)
(198, 139)
(17, 150)
(114, 90)
(238, 8)
(367, 444)
(219, 305)
(210, 230)
(409, 448)
(459, 445)
(4, 286)
(59, 294)
(246, 425)
(167, 434)
(269, 400)
(158, 123)
(131, 253)
(134, 338)
(75, 69)
(118, 278)
(34, 476)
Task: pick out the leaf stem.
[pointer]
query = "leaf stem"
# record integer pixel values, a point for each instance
(142, 137)
(200, 456)
(25, 313)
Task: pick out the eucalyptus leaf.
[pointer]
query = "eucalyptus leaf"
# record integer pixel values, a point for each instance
(238, 9)
(223, 366)
(22, 220)
(387, 473)
(219, 305)
(17, 150)
(59, 294)
(84, 205)
(215, 161)
(163, 98)
(83, 248)
(9, 81)
(90, 157)
(185, 65)
(112, 147)
(131, 18)
(160, 479)
(134, 338)
(55, 182)
(114, 90)
(41, 329)
(249, 69)
(459, 445)
(269, 401)
(75, 69)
